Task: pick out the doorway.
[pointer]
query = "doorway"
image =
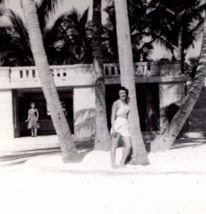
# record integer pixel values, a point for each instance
(25, 97)
(147, 102)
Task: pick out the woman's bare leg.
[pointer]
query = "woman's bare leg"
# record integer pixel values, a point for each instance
(115, 141)
(32, 132)
(123, 150)
(126, 150)
(35, 132)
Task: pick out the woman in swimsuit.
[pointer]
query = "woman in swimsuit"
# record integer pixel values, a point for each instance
(33, 116)
(120, 127)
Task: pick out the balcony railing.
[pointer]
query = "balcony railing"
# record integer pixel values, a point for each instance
(31, 73)
(84, 74)
(141, 69)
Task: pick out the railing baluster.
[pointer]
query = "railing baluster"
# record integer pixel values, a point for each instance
(55, 73)
(109, 70)
(144, 70)
(61, 73)
(58, 71)
(116, 70)
(141, 69)
(24, 74)
(64, 71)
(30, 76)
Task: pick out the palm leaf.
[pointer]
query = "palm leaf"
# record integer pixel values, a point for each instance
(19, 41)
(44, 8)
(73, 30)
(165, 18)
(17, 24)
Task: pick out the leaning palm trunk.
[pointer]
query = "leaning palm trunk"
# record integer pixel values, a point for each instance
(69, 152)
(127, 80)
(102, 137)
(166, 139)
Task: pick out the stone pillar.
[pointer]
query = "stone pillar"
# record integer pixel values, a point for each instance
(169, 93)
(6, 116)
(4, 75)
(84, 112)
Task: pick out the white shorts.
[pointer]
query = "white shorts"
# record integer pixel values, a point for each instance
(121, 126)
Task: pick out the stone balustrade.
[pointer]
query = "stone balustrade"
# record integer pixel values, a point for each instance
(83, 74)
(147, 69)
(81, 78)
(60, 72)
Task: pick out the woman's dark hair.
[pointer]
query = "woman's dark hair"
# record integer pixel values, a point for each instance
(124, 89)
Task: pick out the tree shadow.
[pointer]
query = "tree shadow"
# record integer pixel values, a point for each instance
(182, 143)
(26, 155)
(21, 156)
(188, 143)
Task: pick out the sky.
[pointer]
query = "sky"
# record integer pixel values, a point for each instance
(81, 5)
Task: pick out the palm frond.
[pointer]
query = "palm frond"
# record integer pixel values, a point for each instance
(47, 6)
(44, 8)
(166, 18)
(17, 24)
(72, 32)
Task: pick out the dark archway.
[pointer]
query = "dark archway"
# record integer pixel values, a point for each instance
(25, 97)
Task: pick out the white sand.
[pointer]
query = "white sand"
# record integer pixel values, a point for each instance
(44, 185)
(189, 159)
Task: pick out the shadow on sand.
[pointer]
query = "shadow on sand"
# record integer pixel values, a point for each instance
(84, 147)
(21, 156)
(189, 142)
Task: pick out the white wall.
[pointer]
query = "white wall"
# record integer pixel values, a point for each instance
(168, 94)
(84, 112)
(6, 116)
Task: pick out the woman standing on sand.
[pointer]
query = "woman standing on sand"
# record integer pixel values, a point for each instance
(33, 116)
(120, 127)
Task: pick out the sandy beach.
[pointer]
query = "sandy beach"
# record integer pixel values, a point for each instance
(34, 179)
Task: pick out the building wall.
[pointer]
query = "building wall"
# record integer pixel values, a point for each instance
(169, 93)
(6, 115)
(82, 78)
(84, 112)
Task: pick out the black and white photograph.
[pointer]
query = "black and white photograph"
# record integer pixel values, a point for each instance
(103, 106)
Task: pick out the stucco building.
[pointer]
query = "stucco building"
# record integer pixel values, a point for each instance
(157, 85)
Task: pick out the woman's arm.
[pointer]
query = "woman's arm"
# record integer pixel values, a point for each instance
(37, 114)
(114, 109)
(28, 117)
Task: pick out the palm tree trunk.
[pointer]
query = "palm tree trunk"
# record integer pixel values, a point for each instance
(180, 50)
(166, 139)
(127, 80)
(102, 138)
(179, 45)
(69, 152)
